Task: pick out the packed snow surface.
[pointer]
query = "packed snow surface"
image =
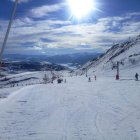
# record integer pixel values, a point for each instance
(77, 110)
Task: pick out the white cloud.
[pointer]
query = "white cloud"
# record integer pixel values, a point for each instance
(101, 34)
(45, 10)
(37, 48)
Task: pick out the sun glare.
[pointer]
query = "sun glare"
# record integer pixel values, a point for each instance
(81, 8)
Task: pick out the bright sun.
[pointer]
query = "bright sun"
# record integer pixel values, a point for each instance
(81, 8)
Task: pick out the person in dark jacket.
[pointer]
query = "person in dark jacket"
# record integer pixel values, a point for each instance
(137, 76)
(58, 81)
(89, 79)
(95, 77)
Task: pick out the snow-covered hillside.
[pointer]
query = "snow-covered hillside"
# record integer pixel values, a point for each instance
(77, 110)
(127, 54)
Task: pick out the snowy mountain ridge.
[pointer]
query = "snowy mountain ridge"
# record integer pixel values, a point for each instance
(127, 53)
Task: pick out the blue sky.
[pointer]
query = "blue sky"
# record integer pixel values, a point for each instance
(49, 27)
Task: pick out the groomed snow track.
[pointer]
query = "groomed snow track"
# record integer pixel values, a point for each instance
(78, 110)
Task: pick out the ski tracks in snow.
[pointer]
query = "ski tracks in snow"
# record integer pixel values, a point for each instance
(77, 110)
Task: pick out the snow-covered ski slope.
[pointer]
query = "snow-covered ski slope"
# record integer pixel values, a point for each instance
(27, 78)
(77, 110)
(13, 82)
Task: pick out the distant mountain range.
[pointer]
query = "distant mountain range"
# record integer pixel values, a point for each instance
(15, 63)
(25, 66)
(75, 59)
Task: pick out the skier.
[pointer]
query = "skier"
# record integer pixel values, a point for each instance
(137, 76)
(65, 81)
(95, 77)
(89, 79)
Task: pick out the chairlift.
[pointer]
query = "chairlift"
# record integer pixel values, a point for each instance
(7, 32)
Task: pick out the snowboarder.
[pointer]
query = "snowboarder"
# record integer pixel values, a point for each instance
(137, 76)
(89, 79)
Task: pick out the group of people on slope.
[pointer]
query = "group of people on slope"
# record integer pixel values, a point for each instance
(60, 80)
(136, 77)
(89, 79)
